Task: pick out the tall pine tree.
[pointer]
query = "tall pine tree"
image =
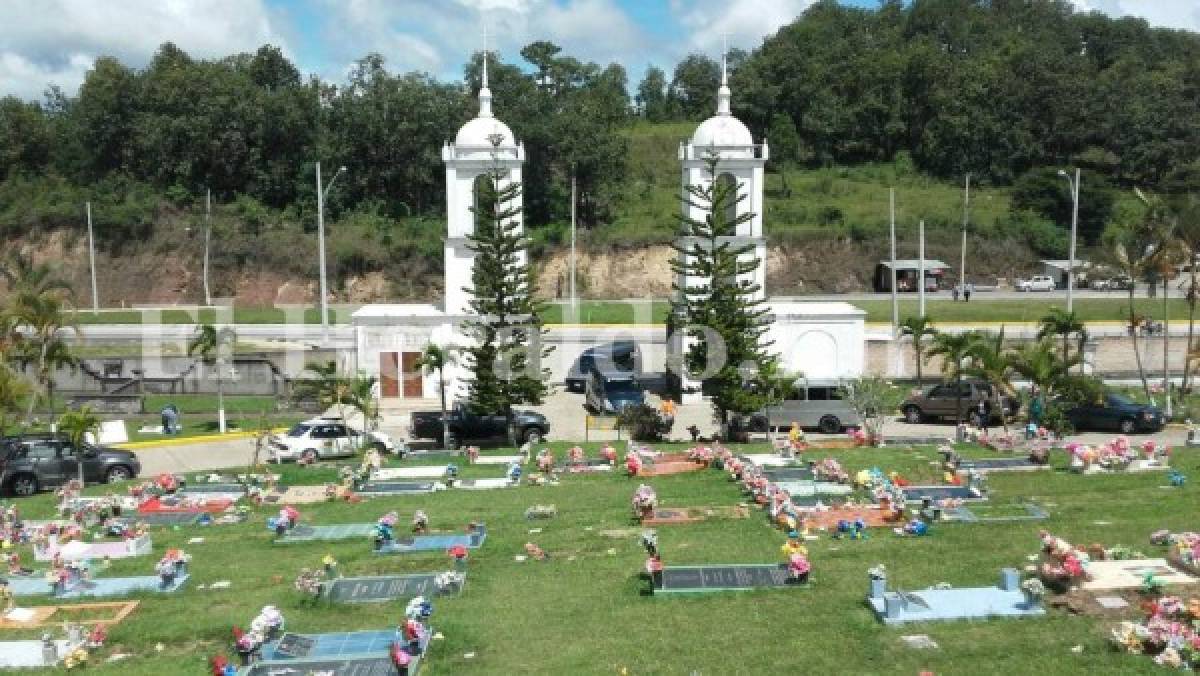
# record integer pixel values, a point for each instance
(505, 357)
(718, 296)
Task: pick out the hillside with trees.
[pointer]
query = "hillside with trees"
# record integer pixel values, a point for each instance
(852, 102)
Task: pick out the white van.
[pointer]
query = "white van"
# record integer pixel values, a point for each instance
(819, 405)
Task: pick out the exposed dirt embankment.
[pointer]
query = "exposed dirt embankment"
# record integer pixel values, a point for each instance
(171, 272)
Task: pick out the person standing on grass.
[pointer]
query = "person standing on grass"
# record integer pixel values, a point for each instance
(967, 291)
(983, 416)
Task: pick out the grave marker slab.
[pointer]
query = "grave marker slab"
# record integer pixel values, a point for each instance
(899, 607)
(768, 460)
(397, 487)
(1113, 575)
(349, 666)
(981, 513)
(715, 578)
(986, 465)
(424, 543)
(420, 472)
(483, 484)
(385, 588)
(789, 474)
(344, 531)
(498, 459)
(814, 488)
(916, 493)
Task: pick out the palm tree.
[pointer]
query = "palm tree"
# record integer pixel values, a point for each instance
(435, 359)
(954, 349)
(214, 347)
(26, 278)
(76, 425)
(44, 318)
(918, 328)
(360, 392)
(329, 388)
(989, 363)
(1059, 322)
(1136, 249)
(13, 392)
(1187, 235)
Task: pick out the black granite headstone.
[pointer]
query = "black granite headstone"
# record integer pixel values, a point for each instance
(295, 645)
(381, 588)
(358, 666)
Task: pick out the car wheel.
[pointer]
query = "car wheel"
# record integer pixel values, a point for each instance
(1127, 426)
(532, 435)
(117, 473)
(912, 415)
(24, 485)
(830, 425)
(309, 456)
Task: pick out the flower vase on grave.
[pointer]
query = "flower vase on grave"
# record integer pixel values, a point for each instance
(49, 650)
(878, 587)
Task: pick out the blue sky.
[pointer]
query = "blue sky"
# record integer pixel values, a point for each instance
(56, 41)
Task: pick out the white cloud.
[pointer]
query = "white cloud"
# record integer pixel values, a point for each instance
(448, 32)
(1183, 14)
(747, 22)
(56, 41)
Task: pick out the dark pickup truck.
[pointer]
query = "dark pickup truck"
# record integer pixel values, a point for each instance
(466, 426)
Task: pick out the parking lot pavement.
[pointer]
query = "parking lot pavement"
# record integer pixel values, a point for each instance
(198, 457)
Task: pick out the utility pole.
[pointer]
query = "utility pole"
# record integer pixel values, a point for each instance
(574, 298)
(962, 263)
(1074, 230)
(321, 241)
(1167, 412)
(895, 297)
(92, 260)
(921, 269)
(207, 241)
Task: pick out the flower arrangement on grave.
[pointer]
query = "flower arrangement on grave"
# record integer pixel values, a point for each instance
(97, 637)
(853, 530)
(534, 552)
(1033, 588)
(413, 630)
(541, 512)
(858, 435)
(877, 572)
(735, 467)
(309, 582)
(1170, 633)
(420, 522)
(644, 501)
(545, 461)
(448, 580)
(575, 456)
(609, 454)
(798, 568)
(269, 623)
(246, 643)
(472, 453)
(75, 658)
(831, 470)
(459, 554)
(1063, 564)
(915, 527)
(633, 462)
(166, 571)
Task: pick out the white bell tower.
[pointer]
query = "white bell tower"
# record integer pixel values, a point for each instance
(740, 161)
(482, 145)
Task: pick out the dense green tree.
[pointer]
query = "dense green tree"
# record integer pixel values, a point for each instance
(505, 354)
(1048, 194)
(693, 91)
(652, 95)
(718, 305)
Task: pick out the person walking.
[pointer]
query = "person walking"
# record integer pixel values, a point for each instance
(967, 291)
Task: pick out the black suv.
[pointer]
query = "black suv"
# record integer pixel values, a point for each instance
(32, 462)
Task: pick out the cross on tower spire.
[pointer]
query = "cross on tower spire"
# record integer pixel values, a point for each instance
(723, 93)
(485, 94)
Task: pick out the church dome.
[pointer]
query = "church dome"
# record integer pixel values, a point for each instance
(722, 130)
(478, 132)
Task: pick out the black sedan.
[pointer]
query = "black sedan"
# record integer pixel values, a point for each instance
(1116, 413)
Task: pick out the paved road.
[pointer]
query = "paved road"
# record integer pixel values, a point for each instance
(187, 458)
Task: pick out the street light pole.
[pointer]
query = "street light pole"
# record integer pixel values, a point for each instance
(207, 240)
(921, 270)
(962, 263)
(574, 300)
(895, 299)
(1074, 229)
(92, 258)
(321, 192)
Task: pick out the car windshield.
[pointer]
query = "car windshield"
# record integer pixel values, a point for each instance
(299, 430)
(622, 387)
(1119, 400)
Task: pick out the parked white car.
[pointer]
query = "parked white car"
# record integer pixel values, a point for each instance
(321, 438)
(1036, 283)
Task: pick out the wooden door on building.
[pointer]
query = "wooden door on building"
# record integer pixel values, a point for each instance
(411, 372)
(389, 374)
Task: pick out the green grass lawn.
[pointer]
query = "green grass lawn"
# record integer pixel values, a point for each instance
(580, 612)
